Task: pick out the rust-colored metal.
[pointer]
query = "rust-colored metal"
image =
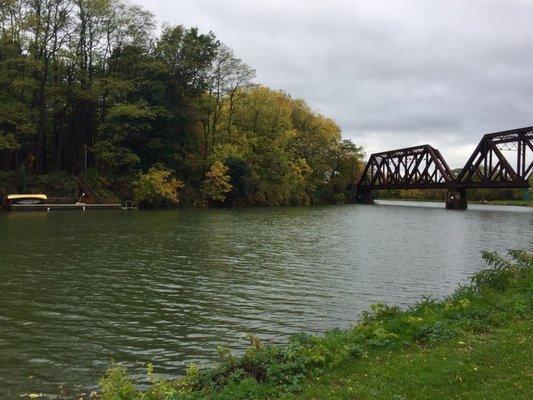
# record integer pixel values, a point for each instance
(423, 167)
(420, 167)
(489, 168)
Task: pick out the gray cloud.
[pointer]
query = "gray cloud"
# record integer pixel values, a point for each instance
(391, 73)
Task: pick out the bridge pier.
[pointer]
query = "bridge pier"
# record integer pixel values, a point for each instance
(456, 200)
(364, 196)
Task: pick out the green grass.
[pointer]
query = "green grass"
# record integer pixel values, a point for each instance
(496, 365)
(475, 344)
(521, 203)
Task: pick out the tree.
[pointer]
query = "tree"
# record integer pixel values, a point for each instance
(217, 183)
(186, 57)
(228, 74)
(345, 163)
(156, 189)
(88, 88)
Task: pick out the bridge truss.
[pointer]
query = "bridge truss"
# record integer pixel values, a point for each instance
(420, 167)
(489, 167)
(501, 160)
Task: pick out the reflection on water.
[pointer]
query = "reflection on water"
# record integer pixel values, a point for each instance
(81, 289)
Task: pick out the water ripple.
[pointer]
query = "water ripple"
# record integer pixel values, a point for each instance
(80, 290)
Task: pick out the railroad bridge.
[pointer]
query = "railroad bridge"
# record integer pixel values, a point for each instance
(423, 167)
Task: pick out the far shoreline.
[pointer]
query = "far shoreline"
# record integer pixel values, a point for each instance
(514, 203)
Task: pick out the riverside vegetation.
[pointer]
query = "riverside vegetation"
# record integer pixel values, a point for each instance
(473, 344)
(91, 96)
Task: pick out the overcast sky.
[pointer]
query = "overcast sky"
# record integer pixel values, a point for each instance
(392, 73)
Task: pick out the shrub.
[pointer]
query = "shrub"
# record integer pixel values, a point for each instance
(116, 385)
(156, 189)
(503, 271)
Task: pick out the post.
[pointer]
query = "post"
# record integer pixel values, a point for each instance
(364, 196)
(456, 199)
(85, 158)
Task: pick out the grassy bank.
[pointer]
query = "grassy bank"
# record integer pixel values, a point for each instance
(475, 344)
(521, 203)
(490, 365)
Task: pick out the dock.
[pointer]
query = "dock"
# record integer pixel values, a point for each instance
(64, 207)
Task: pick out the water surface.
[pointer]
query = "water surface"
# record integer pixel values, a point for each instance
(79, 290)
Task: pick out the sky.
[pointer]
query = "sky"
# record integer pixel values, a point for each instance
(391, 73)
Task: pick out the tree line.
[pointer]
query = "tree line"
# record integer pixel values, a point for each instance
(92, 88)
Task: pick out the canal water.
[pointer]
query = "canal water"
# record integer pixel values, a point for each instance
(81, 290)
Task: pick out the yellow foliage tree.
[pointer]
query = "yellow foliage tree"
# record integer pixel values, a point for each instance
(157, 189)
(217, 182)
(280, 151)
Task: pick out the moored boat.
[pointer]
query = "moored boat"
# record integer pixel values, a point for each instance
(23, 199)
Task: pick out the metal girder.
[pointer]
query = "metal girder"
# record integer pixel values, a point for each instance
(423, 167)
(420, 167)
(489, 168)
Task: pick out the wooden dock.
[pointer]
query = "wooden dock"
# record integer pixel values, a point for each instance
(64, 207)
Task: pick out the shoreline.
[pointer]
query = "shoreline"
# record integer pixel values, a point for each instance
(488, 314)
(515, 203)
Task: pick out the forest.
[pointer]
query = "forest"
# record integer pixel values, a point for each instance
(95, 96)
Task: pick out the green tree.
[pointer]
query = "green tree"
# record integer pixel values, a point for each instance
(345, 163)
(87, 87)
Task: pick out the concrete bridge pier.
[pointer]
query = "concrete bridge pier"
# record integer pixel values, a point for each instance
(364, 196)
(456, 200)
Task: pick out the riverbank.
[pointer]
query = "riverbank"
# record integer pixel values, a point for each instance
(478, 366)
(516, 203)
(519, 203)
(473, 344)
(161, 189)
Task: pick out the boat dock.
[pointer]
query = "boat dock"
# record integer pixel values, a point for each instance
(40, 202)
(65, 207)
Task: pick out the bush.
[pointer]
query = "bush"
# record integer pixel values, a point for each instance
(156, 189)
(503, 271)
(116, 385)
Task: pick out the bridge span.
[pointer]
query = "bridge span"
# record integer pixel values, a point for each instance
(423, 167)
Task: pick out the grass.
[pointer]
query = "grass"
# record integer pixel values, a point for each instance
(479, 366)
(521, 203)
(475, 344)
(425, 200)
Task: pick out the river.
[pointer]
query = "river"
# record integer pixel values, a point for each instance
(80, 290)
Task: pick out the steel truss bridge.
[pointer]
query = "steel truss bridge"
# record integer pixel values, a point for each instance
(423, 167)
